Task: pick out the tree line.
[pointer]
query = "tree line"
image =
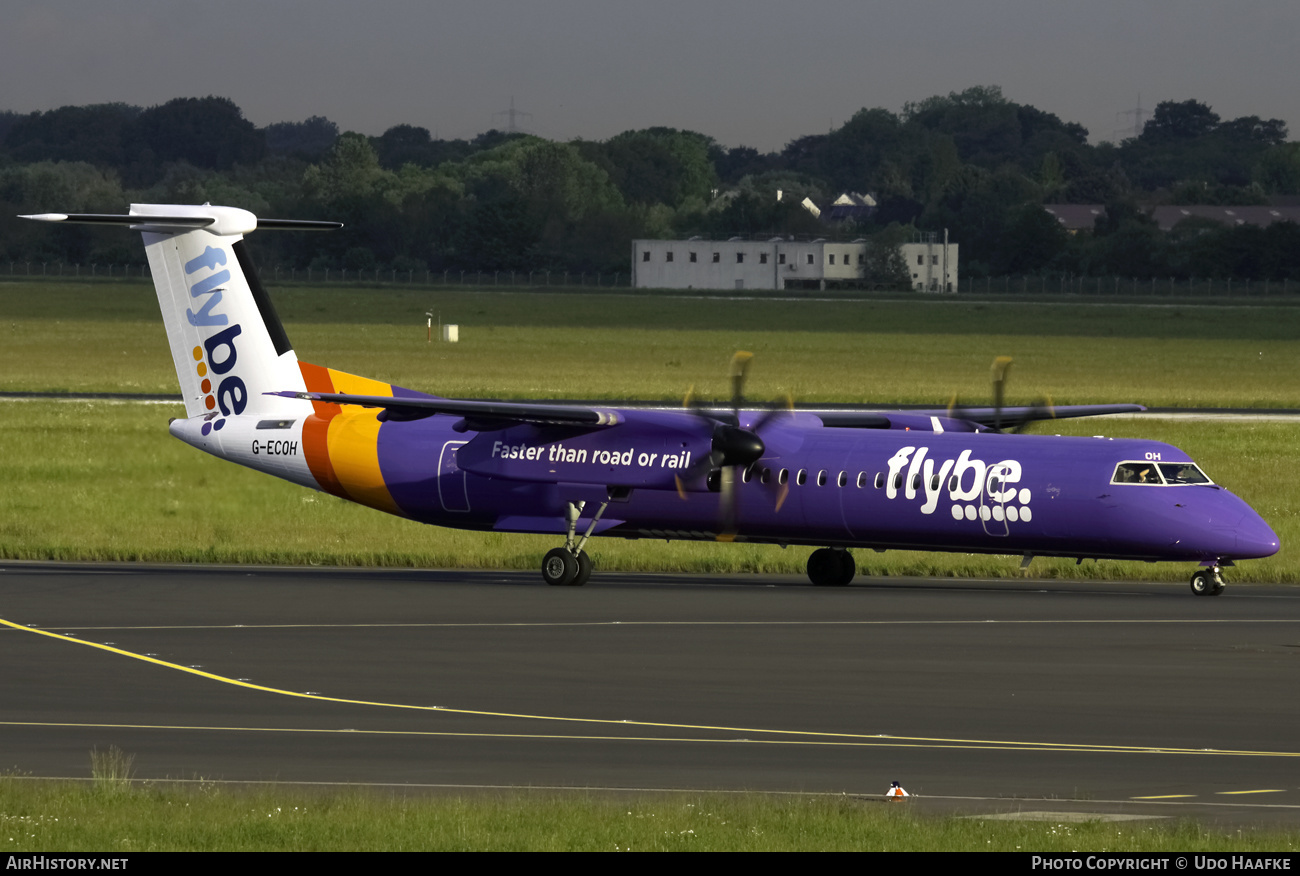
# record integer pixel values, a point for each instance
(972, 162)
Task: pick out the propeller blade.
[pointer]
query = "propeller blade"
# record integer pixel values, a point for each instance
(739, 371)
(1001, 365)
(727, 505)
(782, 491)
(786, 407)
(1042, 409)
(734, 450)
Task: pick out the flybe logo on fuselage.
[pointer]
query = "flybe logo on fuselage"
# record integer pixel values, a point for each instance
(976, 488)
(217, 355)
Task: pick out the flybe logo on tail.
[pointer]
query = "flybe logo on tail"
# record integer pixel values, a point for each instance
(211, 285)
(217, 355)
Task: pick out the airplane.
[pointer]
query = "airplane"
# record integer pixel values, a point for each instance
(948, 479)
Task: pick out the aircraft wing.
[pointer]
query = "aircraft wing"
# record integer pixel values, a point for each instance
(478, 414)
(992, 416)
(965, 419)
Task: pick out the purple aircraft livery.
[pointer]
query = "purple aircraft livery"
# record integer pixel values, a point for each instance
(918, 480)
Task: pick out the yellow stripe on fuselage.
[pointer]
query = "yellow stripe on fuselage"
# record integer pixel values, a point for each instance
(353, 443)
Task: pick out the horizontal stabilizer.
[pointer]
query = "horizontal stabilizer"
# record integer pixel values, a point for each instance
(178, 222)
(175, 223)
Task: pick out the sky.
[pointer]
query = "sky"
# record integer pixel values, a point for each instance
(752, 73)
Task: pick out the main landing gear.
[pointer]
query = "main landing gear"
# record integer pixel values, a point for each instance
(1208, 582)
(831, 567)
(569, 566)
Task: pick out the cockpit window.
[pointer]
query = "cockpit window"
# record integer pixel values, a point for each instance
(1136, 473)
(1183, 473)
(1159, 473)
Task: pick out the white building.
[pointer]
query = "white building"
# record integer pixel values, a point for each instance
(780, 264)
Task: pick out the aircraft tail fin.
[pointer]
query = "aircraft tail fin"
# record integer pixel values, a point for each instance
(227, 341)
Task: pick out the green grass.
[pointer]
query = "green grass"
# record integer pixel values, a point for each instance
(109, 338)
(104, 481)
(61, 817)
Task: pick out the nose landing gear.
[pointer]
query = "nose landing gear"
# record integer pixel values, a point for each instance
(1208, 582)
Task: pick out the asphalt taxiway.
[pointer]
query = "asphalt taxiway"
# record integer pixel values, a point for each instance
(989, 695)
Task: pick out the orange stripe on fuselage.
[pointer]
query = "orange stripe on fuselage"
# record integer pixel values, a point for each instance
(346, 438)
(315, 430)
(354, 450)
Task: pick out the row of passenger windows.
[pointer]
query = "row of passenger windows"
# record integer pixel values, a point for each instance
(762, 258)
(1125, 473)
(801, 477)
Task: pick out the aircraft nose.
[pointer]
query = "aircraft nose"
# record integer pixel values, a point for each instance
(1255, 538)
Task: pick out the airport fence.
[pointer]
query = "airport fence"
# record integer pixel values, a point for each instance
(369, 277)
(1020, 286)
(1040, 286)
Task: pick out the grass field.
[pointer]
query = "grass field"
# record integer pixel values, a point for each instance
(109, 338)
(104, 481)
(113, 818)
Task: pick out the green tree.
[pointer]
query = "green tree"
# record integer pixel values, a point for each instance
(1033, 241)
(94, 134)
(656, 165)
(208, 132)
(350, 171)
(65, 186)
(885, 265)
(1278, 169)
(310, 139)
(1179, 120)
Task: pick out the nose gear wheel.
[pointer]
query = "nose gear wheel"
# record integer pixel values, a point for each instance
(1208, 582)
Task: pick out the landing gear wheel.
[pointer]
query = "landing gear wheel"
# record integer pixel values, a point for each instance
(1201, 583)
(559, 568)
(584, 570)
(828, 567)
(1208, 582)
(848, 568)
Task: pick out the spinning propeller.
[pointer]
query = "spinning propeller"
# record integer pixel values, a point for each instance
(732, 450)
(1040, 410)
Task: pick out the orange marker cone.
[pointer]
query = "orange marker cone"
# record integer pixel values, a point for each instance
(896, 792)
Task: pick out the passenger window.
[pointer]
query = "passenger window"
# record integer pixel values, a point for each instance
(801, 478)
(821, 478)
(844, 479)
